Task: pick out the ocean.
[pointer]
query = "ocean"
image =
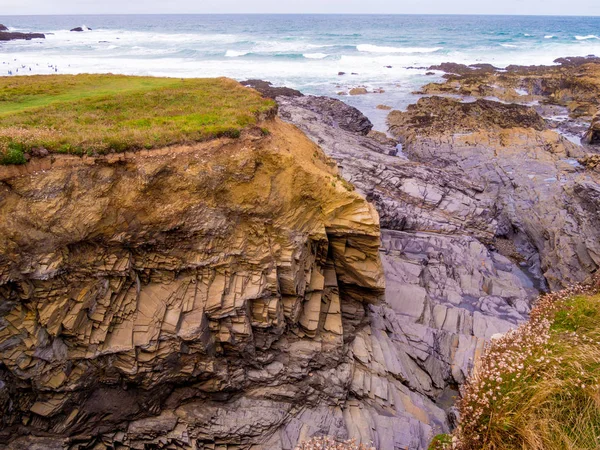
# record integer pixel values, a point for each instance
(305, 52)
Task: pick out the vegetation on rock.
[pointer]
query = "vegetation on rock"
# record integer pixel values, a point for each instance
(97, 114)
(538, 387)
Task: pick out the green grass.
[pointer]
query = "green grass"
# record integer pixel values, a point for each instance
(96, 114)
(539, 387)
(441, 442)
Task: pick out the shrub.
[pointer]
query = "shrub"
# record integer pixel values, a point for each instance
(330, 443)
(538, 387)
(14, 154)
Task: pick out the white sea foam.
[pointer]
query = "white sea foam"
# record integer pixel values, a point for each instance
(549, 36)
(285, 47)
(585, 38)
(509, 45)
(368, 48)
(234, 53)
(315, 55)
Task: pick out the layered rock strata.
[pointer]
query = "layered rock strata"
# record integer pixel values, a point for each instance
(447, 291)
(541, 194)
(196, 297)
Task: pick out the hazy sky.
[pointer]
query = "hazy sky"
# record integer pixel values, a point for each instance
(536, 7)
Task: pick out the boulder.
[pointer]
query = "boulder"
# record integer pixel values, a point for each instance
(592, 135)
(3, 27)
(358, 91)
(334, 113)
(267, 89)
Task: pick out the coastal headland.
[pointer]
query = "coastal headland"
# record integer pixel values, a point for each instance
(187, 264)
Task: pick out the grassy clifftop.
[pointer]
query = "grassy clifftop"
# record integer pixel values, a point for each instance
(97, 114)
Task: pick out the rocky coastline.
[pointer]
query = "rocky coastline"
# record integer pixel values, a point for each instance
(7, 35)
(350, 298)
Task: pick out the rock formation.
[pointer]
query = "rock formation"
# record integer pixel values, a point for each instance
(592, 135)
(570, 88)
(267, 89)
(229, 295)
(447, 290)
(196, 297)
(13, 36)
(530, 174)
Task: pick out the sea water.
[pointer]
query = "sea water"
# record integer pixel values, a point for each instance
(305, 52)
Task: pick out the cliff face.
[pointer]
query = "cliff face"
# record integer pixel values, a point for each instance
(183, 298)
(448, 289)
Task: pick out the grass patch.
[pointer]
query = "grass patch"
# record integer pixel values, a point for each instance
(96, 114)
(538, 387)
(440, 442)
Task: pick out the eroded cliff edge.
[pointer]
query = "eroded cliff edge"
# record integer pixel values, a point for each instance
(182, 298)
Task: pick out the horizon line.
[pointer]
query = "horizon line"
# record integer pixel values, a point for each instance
(297, 14)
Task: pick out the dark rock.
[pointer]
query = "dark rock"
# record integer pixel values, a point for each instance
(576, 61)
(341, 73)
(12, 36)
(81, 29)
(592, 136)
(269, 91)
(461, 69)
(39, 152)
(388, 67)
(337, 114)
(3, 27)
(430, 73)
(437, 114)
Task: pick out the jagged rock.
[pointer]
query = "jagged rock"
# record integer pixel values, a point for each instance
(384, 139)
(462, 69)
(336, 113)
(3, 27)
(591, 161)
(574, 84)
(193, 297)
(436, 115)
(528, 172)
(446, 292)
(576, 61)
(269, 91)
(592, 135)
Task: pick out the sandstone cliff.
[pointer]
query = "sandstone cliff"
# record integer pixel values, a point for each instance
(198, 296)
